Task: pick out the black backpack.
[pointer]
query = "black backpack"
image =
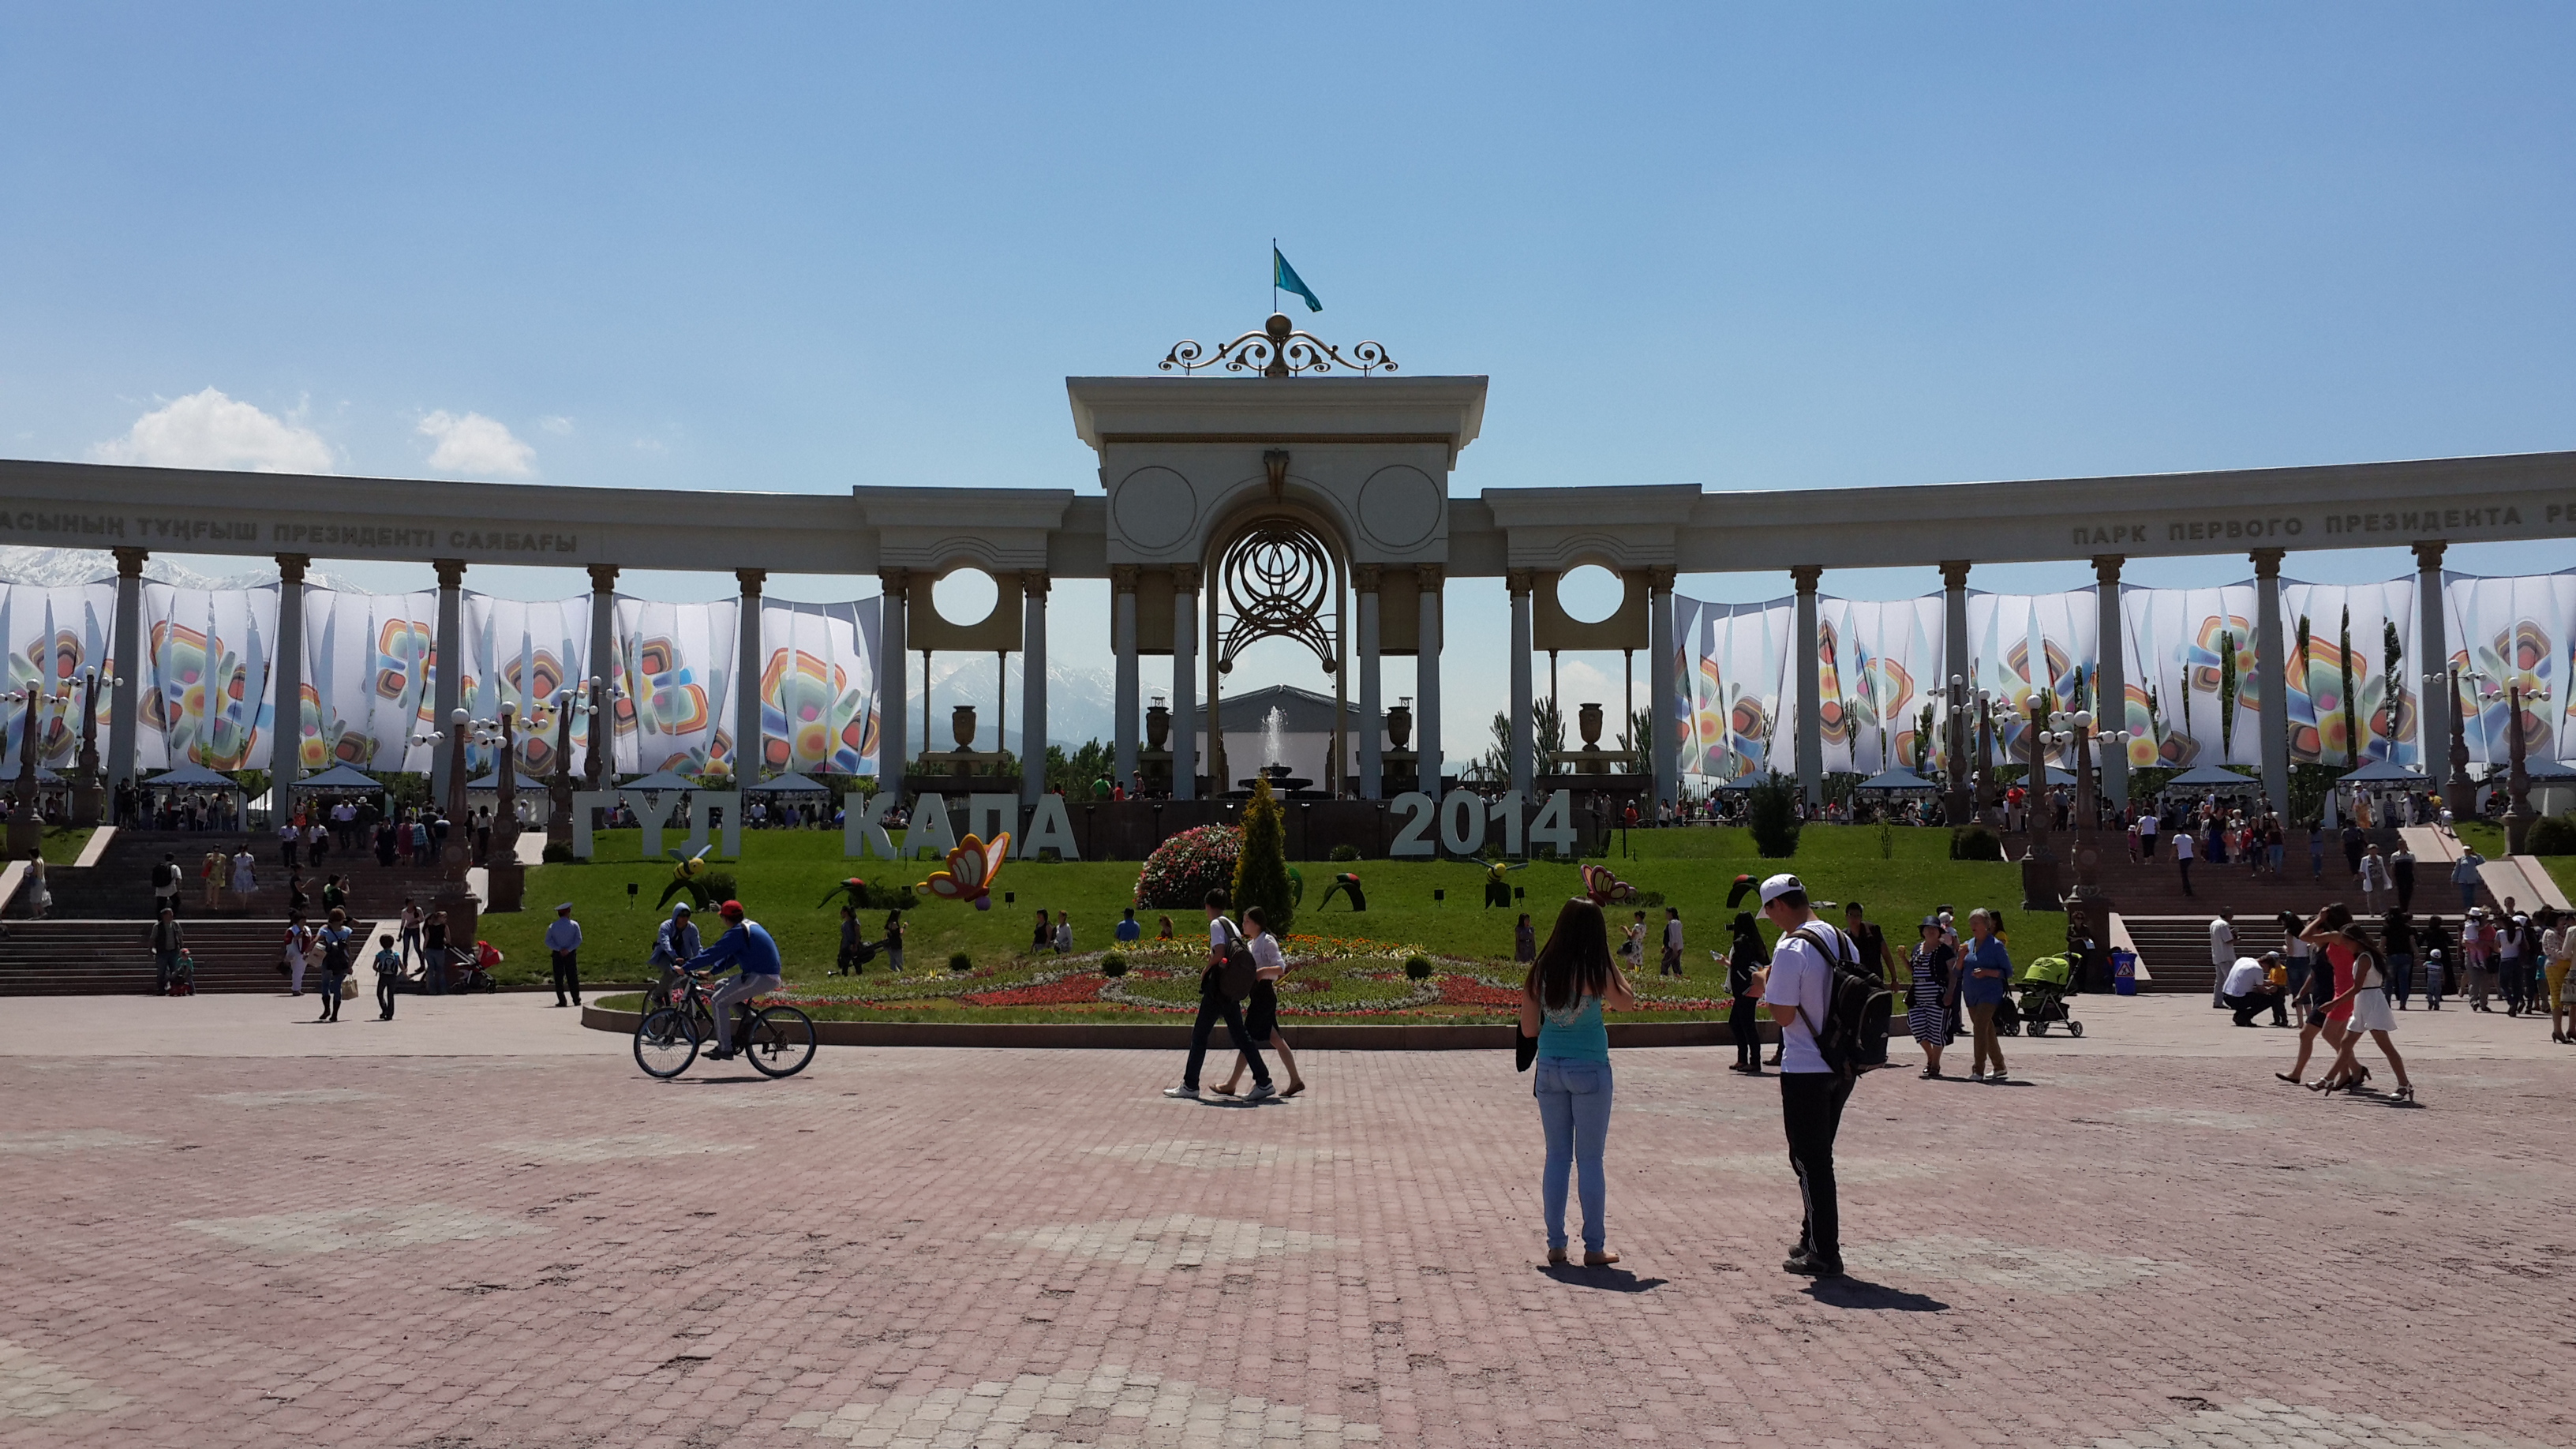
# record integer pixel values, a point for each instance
(1853, 1036)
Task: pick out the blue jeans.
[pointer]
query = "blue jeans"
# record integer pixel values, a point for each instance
(1574, 1107)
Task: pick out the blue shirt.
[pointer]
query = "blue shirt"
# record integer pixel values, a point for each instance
(1128, 930)
(746, 948)
(1985, 955)
(564, 934)
(1575, 1034)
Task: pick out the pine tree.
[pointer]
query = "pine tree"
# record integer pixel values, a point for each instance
(1261, 870)
(2226, 695)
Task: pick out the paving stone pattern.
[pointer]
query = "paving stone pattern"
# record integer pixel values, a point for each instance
(1025, 1248)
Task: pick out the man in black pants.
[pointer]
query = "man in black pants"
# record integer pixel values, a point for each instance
(1214, 1004)
(1797, 988)
(1744, 1018)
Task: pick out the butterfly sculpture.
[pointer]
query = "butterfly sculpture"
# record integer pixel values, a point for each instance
(1604, 888)
(972, 868)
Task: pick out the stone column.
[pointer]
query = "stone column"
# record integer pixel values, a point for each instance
(1524, 725)
(1033, 685)
(1662, 701)
(2433, 656)
(1372, 693)
(1955, 660)
(749, 664)
(2111, 674)
(2272, 678)
(1122, 636)
(1811, 726)
(1426, 689)
(449, 667)
(892, 695)
(286, 699)
(125, 638)
(1185, 681)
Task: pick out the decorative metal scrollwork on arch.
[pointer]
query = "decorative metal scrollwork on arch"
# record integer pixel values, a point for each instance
(1277, 349)
(1277, 580)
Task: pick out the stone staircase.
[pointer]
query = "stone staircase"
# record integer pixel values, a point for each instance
(65, 957)
(119, 885)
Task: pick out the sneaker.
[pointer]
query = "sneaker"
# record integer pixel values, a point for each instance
(718, 1054)
(1261, 1092)
(1188, 1093)
(1807, 1263)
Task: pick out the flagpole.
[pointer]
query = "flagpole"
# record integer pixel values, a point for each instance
(1274, 274)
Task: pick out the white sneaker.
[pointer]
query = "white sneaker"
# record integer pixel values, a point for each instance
(1261, 1092)
(1190, 1093)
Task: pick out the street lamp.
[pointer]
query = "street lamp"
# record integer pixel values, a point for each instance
(2517, 810)
(2457, 788)
(2038, 863)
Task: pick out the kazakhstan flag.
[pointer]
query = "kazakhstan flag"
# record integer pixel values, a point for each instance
(1285, 278)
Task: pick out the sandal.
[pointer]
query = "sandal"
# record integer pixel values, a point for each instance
(2286, 1077)
(1293, 1089)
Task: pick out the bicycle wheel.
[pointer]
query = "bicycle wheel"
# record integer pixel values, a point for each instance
(779, 1041)
(665, 1043)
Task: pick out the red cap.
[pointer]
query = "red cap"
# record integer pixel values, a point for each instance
(730, 910)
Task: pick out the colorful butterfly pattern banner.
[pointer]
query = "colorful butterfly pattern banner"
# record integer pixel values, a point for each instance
(205, 689)
(2354, 673)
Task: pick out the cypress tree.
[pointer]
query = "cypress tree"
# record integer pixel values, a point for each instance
(1261, 871)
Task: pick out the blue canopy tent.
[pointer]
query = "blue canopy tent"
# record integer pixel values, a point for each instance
(1896, 778)
(2212, 777)
(2381, 772)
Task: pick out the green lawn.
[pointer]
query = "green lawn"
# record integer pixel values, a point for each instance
(64, 845)
(787, 872)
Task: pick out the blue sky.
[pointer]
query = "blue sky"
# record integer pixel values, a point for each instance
(1783, 248)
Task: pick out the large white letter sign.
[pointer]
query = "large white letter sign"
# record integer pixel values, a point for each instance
(931, 830)
(585, 807)
(1049, 829)
(863, 827)
(1415, 838)
(1508, 811)
(1554, 826)
(650, 816)
(1462, 822)
(701, 802)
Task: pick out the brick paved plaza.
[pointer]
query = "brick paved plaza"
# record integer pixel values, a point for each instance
(482, 1226)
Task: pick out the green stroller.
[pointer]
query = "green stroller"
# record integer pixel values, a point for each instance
(2047, 986)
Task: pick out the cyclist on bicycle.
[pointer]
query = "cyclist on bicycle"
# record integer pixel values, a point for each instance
(673, 945)
(745, 947)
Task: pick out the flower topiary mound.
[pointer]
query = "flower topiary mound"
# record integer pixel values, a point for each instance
(1183, 869)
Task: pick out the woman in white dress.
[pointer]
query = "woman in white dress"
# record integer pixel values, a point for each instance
(2368, 998)
(244, 881)
(40, 896)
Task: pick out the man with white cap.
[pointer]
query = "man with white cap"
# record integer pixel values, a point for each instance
(1797, 988)
(563, 939)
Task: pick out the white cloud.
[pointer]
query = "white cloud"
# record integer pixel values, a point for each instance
(473, 443)
(558, 425)
(209, 430)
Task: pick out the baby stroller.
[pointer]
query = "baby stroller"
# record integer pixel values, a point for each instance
(471, 970)
(2047, 982)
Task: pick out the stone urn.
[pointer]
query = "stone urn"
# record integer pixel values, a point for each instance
(961, 722)
(1588, 719)
(1158, 727)
(1399, 726)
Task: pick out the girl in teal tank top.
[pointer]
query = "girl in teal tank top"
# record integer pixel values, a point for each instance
(1561, 1002)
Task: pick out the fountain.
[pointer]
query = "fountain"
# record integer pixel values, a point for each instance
(1274, 744)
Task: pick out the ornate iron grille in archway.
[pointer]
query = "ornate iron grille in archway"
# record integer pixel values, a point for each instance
(1277, 582)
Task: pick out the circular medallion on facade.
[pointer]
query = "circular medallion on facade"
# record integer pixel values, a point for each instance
(1399, 505)
(1154, 508)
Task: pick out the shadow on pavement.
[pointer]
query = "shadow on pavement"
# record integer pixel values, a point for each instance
(1875, 1297)
(1608, 1280)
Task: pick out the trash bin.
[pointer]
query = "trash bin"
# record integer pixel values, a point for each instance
(2124, 973)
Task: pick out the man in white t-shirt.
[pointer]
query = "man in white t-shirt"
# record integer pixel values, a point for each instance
(1796, 988)
(1216, 1006)
(2147, 826)
(2248, 990)
(2222, 951)
(2183, 853)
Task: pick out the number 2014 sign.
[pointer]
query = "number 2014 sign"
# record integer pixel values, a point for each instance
(1462, 817)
